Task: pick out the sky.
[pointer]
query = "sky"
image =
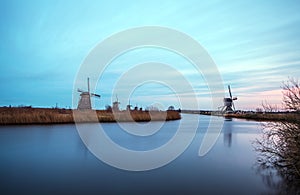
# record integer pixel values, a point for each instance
(255, 45)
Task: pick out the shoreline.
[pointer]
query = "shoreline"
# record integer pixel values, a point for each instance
(40, 116)
(267, 116)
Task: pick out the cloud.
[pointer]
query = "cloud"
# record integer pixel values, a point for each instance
(254, 44)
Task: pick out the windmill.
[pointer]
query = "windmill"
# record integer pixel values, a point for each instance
(228, 103)
(116, 105)
(85, 98)
(128, 107)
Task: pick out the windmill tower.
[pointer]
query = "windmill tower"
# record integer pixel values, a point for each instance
(85, 98)
(116, 105)
(228, 103)
(128, 107)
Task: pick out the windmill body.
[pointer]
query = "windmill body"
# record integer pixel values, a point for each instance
(116, 105)
(85, 98)
(228, 103)
(85, 101)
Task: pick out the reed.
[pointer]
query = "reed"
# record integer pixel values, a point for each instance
(24, 115)
(34, 116)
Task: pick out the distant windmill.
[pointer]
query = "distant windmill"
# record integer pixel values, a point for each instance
(116, 105)
(128, 107)
(85, 97)
(228, 103)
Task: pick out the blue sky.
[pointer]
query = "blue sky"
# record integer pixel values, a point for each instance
(255, 44)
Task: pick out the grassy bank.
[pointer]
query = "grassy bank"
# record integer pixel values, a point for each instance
(289, 117)
(9, 116)
(267, 116)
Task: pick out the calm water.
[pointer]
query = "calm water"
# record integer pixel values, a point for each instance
(52, 159)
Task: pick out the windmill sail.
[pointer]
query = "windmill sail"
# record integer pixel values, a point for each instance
(229, 91)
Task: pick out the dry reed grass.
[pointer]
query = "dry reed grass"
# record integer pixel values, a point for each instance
(23, 115)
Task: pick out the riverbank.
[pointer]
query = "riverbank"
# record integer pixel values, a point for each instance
(261, 116)
(280, 116)
(288, 117)
(28, 115)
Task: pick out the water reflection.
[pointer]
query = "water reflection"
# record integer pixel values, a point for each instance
(62, 162)
(227, 132)
(82, 148)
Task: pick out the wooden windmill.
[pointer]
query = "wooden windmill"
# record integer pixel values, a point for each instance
(228, 103)
(85, 98)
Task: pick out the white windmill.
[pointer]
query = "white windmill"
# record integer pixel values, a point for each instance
(85, 98)
(228, 103)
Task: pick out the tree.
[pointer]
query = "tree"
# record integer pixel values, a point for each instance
(171, 108)
(279, 146)
(108, 108)
(291, 94)
(259, 110)
(269, 107)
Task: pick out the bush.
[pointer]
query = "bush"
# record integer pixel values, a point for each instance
(279, 147)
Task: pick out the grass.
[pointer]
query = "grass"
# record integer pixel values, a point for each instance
(34, 116)
(289, 117)
(25, 115)
(257, 116)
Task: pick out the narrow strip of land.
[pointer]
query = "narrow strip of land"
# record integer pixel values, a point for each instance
(257, 116)
(28, 115)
